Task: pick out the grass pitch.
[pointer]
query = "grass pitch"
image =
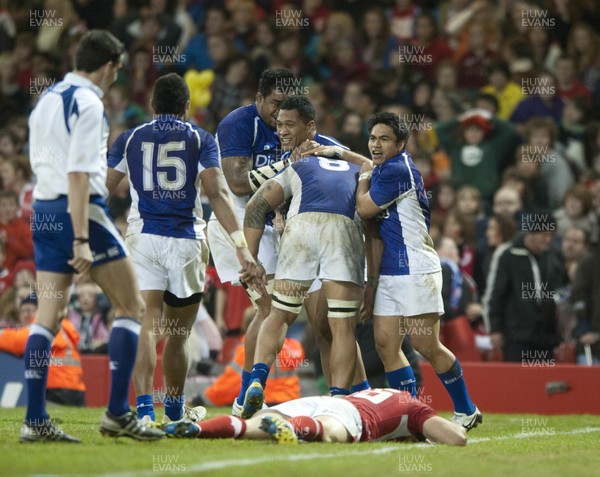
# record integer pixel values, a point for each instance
(505, 445)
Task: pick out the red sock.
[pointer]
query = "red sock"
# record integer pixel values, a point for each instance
(307, 428)
(222, 426)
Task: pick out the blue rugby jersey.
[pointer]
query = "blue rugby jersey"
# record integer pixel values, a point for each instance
(397, 188)
(163, 159)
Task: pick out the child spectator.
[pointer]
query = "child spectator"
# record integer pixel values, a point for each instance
(567, 83)
(507, 92)
(540, 137)
(474, 63)
(15, 233)
(376, 39)
(462, 231)
(470, 206)
(572, 128)
(89, 319)
(576, 211)
(428, 43)
(403, 18)
(479, 146)
(544, 50)
(16, 177)
(541, 100)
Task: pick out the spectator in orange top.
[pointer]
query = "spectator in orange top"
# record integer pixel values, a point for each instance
(65, 375)
(15, 233)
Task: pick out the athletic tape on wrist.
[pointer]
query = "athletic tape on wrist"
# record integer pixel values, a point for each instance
(238, 238)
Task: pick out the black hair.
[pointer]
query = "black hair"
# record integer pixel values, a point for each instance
(273, 78)
(96, 48)
(391, 120)
(302, 104)
(170, 94)
(489, 98)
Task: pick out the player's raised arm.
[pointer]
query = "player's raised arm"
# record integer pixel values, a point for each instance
(213, 184)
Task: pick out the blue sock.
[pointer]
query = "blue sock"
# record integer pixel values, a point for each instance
(403, 379)
(246, 380)
(174, 407)
(335, 391)
(122, 348)
(260, 372)
(37, 360)
(455, 385)
(145, 406)
(360, 386)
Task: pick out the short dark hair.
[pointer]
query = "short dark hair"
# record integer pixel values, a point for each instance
(301, 104)
(170, 94)
(391, 120)
(96, 48)
(490, 98)
(273, 78)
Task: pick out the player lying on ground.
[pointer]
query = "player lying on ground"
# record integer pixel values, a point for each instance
(367, 416)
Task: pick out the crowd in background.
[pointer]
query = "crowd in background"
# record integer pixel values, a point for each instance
(501, 98)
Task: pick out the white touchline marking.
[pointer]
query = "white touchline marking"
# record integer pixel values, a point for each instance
(224, 464)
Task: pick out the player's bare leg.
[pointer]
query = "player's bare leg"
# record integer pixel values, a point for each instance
(316, 312)
(388, 342)
(441, 431)
(389, 334)
(263, 308)
(287, 301)
(118, 281)
(425, 337)
(145, 364)
(360, 375)
(176, 358)
(342, 303)
(265, 425)
(424, 332)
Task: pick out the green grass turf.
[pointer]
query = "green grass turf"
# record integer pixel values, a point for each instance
(505, 445)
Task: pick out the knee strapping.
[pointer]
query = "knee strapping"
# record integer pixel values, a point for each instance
(341, 308)
(289, 303)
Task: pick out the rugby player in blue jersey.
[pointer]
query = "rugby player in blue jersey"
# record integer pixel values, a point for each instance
(405, 282)
(169, 162)
(321, 240)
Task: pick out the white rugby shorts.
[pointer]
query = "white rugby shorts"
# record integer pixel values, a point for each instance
(409, 295)
(225, 259)
(176, 265)
(315, 406)
(321, 245)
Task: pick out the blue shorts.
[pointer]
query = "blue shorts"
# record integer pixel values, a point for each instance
(52, 232)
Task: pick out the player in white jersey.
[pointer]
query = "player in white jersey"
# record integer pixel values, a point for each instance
(408, 298)
(166, 161)
(68, 141)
